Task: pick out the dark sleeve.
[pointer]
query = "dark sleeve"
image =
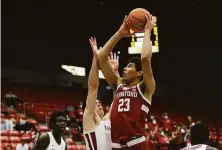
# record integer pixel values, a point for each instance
(42, 142)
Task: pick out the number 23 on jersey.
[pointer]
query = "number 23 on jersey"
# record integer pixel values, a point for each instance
(124, 105)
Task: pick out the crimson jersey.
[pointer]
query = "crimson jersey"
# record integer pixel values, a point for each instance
(129, 111)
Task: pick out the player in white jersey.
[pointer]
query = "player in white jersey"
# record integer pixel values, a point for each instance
(96, 126)
(199, 137)
(53, 140)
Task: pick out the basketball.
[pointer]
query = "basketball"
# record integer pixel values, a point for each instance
(136, 19)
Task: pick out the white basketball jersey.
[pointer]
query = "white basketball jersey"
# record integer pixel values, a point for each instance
(53, 145)
(196, 147)
(100, 139)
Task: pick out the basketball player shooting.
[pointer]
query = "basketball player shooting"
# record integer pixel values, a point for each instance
(53, 140)
(133, 91)
(96, 126)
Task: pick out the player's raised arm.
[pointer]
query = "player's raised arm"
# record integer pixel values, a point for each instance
(146, 55)
(93, 84)
(109, 74)
(114, 62)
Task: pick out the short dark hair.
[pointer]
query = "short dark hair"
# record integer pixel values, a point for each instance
(137, 62)
(53, 117)
(199, 134)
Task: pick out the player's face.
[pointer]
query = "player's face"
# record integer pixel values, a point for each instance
(99, 108)
(61, 123)
(130, 73)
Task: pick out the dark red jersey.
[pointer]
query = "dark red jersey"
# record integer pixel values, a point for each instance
(129, 111)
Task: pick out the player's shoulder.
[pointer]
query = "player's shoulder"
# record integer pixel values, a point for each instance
(211, 148)
(44, 138)
(42, 142)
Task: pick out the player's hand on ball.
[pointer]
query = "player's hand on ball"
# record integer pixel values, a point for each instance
(114, 61)
(150, 22)
(94, 47)
(124, 29)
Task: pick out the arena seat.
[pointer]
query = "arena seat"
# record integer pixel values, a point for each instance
(14, 145)
(15, 139)
(32, 121)
(80, 147)
(4, 144)
(4, 132)
(71, 147)
(5, 139)
(41, 116)
(26, 137)
(43, 128)
(13, 116)
(2, 115)
(69, 141)
(14, 133)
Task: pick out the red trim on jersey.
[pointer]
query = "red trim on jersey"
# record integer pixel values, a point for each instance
(88, 140)
(144, 98)
(119, 86)
(93, 137)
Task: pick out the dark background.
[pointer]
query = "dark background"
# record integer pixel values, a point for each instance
(43, 35)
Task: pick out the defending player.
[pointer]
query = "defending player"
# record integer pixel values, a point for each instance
(97, 128)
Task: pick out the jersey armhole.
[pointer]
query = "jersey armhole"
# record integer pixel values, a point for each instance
(119, 86)
(87, 132)
(138, 87)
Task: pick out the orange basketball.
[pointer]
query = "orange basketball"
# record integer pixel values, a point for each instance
(136, 19)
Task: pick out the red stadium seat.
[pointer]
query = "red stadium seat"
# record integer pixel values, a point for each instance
(26, 137)
(14, 145)
(71, 147)
(214, 133)
(5, 139)
(79, 112)
(4, 132)
(12, 111)
(43, 128)
(4, 144)
(2, 115)
(20, 108)
(14, 133)
(41, 116)
(214, 138)
(32, 121)
(81, 147)
(69, 141)
(15, 139)
(164, 147)
(21, 116)
(72, 114)
(13, 116)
